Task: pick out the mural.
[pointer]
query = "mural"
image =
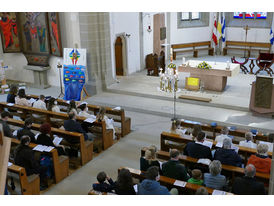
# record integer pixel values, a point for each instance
(9, 32)
(54, 31)
(34, 35)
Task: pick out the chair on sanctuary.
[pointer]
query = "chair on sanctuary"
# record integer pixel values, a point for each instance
(242, 64)
(264, 62)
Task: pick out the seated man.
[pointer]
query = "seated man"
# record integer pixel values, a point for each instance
(214, 179)
(4, 118)
(150, 185)
(248, 185)
(228, 156)
(261, 161)
(73, 126)
(173, 168)
(223, 135)
(248, 142)
(197, 149)
(26, 130)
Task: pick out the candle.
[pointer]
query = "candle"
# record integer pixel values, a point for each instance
(171, 51)
(227, 64)
(183, 60)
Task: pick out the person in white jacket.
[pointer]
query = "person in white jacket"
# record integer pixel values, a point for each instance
(224, 134)
(248, 142)
(40, 104)
(109, 122)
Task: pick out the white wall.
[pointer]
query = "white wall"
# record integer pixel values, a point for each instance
(128, 23)
(70, 34)
(187, 35)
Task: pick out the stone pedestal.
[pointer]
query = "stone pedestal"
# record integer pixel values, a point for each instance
(39, 76)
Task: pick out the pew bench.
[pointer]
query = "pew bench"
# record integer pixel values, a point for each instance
(245, 151)
(30, 185)
(192, 47)
(86, 147)
(168, 182)
(118, 115)
(247, 46)
(190, 161)
(217, 129)
(107, 135)
(60, 163)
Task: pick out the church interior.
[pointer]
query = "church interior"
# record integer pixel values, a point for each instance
(85, 94)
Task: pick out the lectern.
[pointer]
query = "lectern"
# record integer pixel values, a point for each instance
(262, 96)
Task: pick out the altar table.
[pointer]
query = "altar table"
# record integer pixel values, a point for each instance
(214, 79)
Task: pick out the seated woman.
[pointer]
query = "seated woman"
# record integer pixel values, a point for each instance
(228, 156)
(102, 116)
(24, 157)
(45, 139)
(124, 183)
(12, 94)
(149, 159)
(72, 106)
(52, 106)
(84, 111)
(248, 142)
(261, 161)
(196, 130)
(214, 179)
(20, 99)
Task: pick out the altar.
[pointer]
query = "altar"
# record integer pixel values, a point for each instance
(215, 78)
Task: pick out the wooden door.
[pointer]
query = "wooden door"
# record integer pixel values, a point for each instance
(119, 57)
(158, 23)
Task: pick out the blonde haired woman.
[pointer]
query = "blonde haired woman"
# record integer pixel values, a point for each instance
(109, 122)
(149, 159)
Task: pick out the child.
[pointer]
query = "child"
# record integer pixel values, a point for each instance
(101, 185)
(196, 177)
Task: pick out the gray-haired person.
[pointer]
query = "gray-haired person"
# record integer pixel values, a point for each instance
(228, 156)
(248, 185)
(214, 179)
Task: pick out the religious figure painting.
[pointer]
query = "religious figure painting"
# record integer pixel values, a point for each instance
(9, 32)
(35, 37)
(54, 31)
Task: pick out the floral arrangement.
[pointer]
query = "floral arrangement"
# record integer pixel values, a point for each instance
(204, 65)
(171, 65)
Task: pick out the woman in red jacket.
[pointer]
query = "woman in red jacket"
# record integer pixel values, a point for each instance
(261, 161)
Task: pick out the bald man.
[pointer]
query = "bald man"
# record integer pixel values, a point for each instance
(248, 185)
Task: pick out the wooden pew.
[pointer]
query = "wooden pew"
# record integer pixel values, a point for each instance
(217, 129)
(60, 163)
(192, 47)
(107, 135)
(118, 115)
(247, 46)
(86, 147)
(168, 182)
(245, 151)
(30, 185)
(232, 170)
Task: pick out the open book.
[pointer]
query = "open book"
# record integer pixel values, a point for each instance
(204, 161)
(91, 119)
(57, 140)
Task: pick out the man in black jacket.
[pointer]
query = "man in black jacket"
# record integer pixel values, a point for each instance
(248, 185)
(173, 168)
(6, 128)
(26, 130)
(73, 126)
(197, 149)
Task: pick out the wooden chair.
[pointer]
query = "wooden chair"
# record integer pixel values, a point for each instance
(242, 64)
(30, 185)
(152, 64)
(264, 62)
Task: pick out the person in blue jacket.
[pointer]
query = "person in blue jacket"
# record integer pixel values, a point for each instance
(151, 186)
